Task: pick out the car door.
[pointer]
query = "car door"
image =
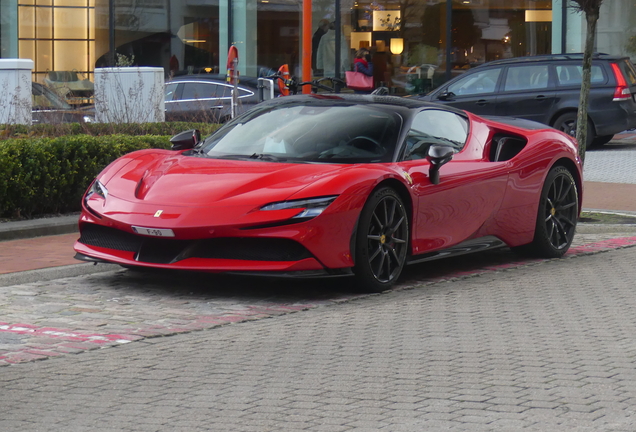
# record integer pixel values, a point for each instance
(475, 91)
(527, 92)
(193, 101)
(470, 190)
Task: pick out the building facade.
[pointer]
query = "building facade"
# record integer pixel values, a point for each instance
(415, 44)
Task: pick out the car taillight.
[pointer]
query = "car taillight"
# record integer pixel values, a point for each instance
(621, 92)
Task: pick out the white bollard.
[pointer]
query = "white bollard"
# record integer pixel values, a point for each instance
(129, 95)
(15, 87)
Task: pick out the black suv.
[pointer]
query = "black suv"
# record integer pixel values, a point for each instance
(547, 89)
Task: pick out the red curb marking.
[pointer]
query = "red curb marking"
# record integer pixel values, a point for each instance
(61, 333)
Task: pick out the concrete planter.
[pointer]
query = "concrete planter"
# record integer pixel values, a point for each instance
(15, 87)
(129, 95)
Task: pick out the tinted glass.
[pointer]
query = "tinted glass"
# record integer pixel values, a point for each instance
(628, 71)
(568, 75)
(526, 78)
(476, 83)
(45, 98)
(170, 91)
(435, 127)
(198, 91)
(344, 133)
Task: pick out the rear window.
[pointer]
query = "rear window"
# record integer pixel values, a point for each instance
(569, 75)
(629, 72)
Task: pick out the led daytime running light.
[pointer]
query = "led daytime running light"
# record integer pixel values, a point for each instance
(313, 206)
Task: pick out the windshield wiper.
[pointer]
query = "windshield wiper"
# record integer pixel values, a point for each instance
(267, 157)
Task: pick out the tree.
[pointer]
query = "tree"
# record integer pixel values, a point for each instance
(591, 10)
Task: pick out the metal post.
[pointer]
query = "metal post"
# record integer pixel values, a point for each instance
(449, 38)
(306, 46)
(564, 25)
(338, 58)
(230, 24)
(235, 78)
(111, 32)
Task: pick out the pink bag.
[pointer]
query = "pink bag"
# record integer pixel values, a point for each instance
(359, 81)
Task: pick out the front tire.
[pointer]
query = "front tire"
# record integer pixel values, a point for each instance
(557, 216)
(382, 240)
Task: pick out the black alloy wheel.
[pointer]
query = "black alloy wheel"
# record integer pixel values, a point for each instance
(557, 216)
(381, 241)
(567, 123)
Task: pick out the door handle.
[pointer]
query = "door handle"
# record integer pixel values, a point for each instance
(482, 102)
(541, 97)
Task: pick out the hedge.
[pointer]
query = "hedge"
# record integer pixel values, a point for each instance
(99, 129)
(40, 176)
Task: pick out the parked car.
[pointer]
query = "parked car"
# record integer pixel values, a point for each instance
(390, 181)
(547, 89)
(207, 97)
(48, 107)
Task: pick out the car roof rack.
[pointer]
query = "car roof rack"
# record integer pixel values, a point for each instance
(544, 57)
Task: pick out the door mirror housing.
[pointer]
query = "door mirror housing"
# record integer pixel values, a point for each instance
(186, 140)
(446, 95)
(438, 155)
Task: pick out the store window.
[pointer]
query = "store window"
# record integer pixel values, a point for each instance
(409, 38)
(59, 36)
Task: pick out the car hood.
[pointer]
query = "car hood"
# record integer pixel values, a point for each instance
(169, 178)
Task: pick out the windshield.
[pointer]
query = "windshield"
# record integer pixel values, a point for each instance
(44, 98)
(301, 132)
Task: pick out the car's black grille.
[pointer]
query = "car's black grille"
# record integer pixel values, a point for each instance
(251, 249)
(164, 250)
(110, 238)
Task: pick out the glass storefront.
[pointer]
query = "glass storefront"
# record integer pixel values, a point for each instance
(415, 45)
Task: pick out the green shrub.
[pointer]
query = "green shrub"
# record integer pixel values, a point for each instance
(99, 129)
(49, 175)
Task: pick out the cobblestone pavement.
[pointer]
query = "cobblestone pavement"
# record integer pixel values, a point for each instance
(49, 318)
(546, 347)
(612, 163)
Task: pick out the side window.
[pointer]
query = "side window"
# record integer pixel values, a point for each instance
(433, 126)
(571, 75)
(526, 78)
(198, 91)
(224, 91)
(171, 89)
(476, 83)
(244, 92)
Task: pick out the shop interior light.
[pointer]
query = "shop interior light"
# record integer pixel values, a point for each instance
(397, 45)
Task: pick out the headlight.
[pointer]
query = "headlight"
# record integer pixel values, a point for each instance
(312, 206)
(97, 188)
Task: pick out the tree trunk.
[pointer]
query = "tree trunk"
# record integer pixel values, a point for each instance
(581, 121)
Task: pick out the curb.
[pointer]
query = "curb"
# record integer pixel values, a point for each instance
(38, 227)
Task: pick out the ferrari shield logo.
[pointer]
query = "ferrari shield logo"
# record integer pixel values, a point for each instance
(158, 213)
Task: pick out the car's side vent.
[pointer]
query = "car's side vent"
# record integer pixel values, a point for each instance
(505, 147)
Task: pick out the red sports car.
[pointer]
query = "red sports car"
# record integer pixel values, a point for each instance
(332, 185)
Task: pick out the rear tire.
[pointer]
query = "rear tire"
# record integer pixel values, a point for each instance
(382, 240)
(557, 216)
(567, 123)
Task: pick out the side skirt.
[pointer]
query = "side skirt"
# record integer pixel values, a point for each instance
(469, 246)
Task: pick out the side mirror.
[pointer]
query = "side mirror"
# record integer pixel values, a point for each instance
(186, 140)
(437, 156)
(446, 95)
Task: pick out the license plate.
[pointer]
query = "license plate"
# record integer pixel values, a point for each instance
(155, 232)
